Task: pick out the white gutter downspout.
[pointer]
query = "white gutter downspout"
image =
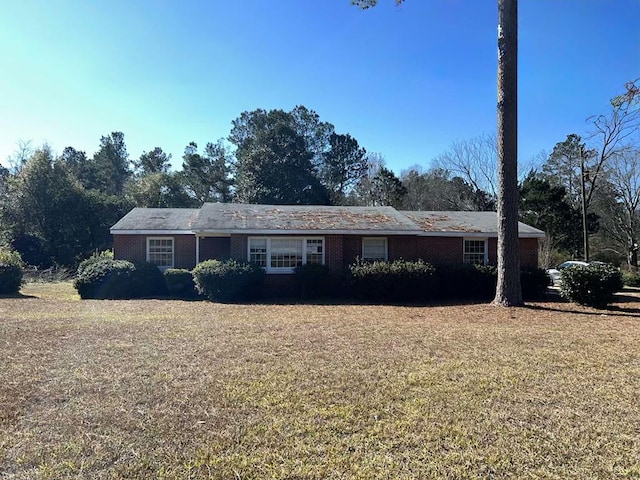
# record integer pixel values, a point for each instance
(197, 249)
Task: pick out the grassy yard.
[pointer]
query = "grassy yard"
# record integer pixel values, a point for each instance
(172, 389)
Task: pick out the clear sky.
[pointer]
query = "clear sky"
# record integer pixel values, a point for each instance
(404, 81)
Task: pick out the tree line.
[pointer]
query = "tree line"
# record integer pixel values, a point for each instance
(57, 209)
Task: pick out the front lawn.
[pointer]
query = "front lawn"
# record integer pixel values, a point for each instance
(170, 389)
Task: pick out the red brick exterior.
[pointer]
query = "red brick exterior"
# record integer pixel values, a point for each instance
(528, 252)
(340, 250)
(215, 247)
(134, 248)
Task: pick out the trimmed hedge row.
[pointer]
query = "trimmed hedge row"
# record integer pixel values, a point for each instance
(180, 283)
(229, 280)
(419, 281)
(396, 281)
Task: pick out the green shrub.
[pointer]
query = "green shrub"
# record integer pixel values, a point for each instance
(466, 282)
(95, 258)
(103, 277)
(398, 280)
(631, 279)
(180, 283)
(312, 281)
(106, 278)
(534, 282)
(229, 280)
(147, 281)
(592, 285)
(11, 271)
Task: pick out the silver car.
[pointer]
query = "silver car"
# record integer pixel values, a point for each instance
(554, 273)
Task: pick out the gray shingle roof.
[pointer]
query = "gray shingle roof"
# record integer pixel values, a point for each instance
(299, 218)
(465, 222)
(226, 218)
(161, 219)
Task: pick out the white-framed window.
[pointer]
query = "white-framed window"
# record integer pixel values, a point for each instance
(475, 251)
(283, 254)
(374, 248)
(160, 251)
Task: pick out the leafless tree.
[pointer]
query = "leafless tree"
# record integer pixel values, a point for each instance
(619, 203)
(23, 152)
(613, 134)
(474, 160)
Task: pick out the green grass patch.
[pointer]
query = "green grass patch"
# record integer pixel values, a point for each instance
(174, 389)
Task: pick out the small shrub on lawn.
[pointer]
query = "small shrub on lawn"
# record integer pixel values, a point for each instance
(180, 283)
(11, 271)
(106, 278)
(312, 281)
(398, 280)
(229, 280)
(631, 279)
(534, 282)
(591, 285)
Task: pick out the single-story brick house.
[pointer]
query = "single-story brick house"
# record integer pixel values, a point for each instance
(281, 237)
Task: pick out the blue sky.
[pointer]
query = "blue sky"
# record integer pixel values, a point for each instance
(404, 81)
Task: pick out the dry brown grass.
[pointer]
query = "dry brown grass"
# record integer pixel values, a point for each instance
(171, 389)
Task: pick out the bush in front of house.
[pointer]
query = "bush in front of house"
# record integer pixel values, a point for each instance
(398, 280)
(534, 282)
(102, 277)
(312, 281)
(105, 278)
(11, 271)
(147, 281)
(591, 285)
(180, 283)
(228, 280)
(466, 281)
(478, 282)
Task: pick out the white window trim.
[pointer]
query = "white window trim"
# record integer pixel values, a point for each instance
(475, 239)
(386, 248)
(286, 270)
(173, 251)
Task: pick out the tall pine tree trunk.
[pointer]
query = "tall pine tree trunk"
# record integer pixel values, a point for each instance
(508, 291)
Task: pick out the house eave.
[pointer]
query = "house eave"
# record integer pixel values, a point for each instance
(265, 232)
(477, 234)
(284, 232)
(151, 232)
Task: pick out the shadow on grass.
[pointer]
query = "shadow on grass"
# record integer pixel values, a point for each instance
(16, 295)
(553, 296)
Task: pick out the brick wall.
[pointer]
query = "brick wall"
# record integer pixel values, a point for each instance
(130, 247)
(134, 249)
(184, 251)
(218, 248)
(529, 252)
(334, 252)
(435, 250)
(239, 247)
(340, 250)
